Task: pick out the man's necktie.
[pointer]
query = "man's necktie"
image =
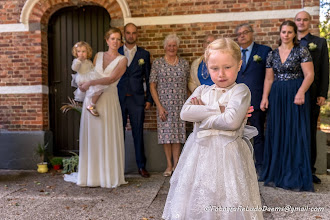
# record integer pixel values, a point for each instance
(244, 59)
(130, 57)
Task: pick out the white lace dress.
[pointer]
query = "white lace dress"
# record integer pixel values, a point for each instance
(216, 172)
(85, 72)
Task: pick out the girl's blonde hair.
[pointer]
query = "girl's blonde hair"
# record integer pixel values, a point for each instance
(223, 45)
(82, 44)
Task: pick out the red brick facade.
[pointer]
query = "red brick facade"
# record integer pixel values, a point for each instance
(24, 54)
(187, 7)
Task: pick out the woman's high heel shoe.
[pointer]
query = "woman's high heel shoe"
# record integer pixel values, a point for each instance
(168, 173)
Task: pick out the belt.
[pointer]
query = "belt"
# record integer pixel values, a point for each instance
(128, 95)
(212, 132)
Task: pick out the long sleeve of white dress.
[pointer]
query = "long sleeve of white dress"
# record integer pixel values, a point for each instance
(236, 101)
(235, 112)
(76, 64)
(197, 113)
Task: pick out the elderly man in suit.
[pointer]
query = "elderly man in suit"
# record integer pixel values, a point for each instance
(319, 88)
(252, 73)
(131, 91)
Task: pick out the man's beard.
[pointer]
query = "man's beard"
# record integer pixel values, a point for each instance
(131, 42)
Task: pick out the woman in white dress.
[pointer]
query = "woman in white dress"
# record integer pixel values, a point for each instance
(215, 177)
(101, 139)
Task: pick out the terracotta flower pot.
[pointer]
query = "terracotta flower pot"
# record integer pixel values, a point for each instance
(57, 166)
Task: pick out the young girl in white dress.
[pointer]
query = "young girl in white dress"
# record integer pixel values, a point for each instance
(215, 177)
(85, 72)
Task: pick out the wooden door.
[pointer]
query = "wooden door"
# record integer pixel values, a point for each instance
(66, 27)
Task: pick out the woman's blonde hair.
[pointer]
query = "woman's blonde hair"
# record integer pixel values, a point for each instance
(113, 30)
(224, 45)
(82, 44)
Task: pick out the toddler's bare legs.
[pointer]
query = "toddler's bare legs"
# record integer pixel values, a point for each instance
(95, 98)
(92, 107)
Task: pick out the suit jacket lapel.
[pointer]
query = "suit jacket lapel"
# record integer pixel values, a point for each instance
(135, 57)
(121, 50)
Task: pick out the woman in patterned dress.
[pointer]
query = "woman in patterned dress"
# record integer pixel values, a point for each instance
(168, 87)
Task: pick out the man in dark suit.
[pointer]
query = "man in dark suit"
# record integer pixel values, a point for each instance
(132, 94)
(319, 89)
(252, 73)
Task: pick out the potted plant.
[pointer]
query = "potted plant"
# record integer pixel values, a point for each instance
(56, 162)
(73, 105)
(71, 164)
(41, 151)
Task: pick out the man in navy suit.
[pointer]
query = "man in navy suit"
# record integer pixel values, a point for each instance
(319, 89)
(252, 73)
(131, 91)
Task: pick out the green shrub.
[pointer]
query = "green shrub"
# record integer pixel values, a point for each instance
(41, 151)
(71, 164)
(325, 110)
(56, 161)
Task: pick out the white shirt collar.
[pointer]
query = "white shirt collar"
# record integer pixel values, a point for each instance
(249, 47)
(133, 49)
(215, 87)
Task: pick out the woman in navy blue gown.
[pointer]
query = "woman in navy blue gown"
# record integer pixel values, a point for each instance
(289, 74)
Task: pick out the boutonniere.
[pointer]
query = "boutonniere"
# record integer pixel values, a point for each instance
(141, 62)
(312, 46)
(257, 58)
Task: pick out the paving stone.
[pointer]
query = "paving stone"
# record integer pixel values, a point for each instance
(31, 195)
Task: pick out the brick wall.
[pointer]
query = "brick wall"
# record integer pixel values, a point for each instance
(192, 35)
(150, 8)
(21, 65)
(24, 112)
(24, 55)
(10, 11)
(20, 59)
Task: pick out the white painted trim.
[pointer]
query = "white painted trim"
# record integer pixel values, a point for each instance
(13, 28)
(219, 17)
(124, 8)
(29, 4)
(24, 89)
(26, 11)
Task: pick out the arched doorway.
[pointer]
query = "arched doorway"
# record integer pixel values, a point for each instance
(66, 27)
